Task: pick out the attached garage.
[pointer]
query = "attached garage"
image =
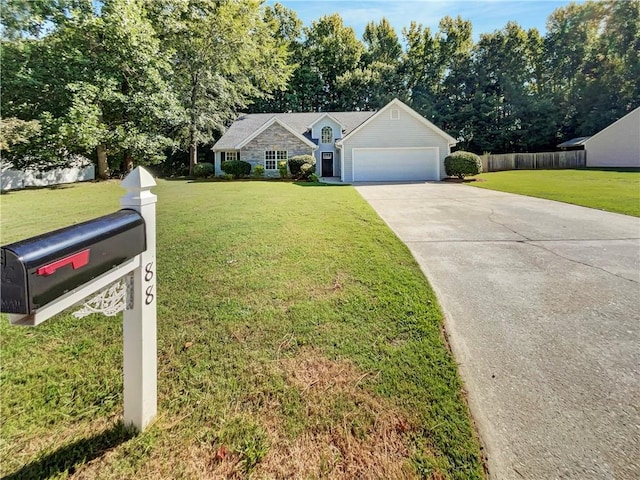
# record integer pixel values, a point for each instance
(396, 144)
(395, 164)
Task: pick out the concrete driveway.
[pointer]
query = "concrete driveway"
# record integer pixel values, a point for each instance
(542, 307)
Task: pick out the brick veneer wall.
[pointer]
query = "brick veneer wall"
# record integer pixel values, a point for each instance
(273, 138)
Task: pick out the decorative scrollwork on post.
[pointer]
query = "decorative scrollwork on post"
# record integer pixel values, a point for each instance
(114, 299)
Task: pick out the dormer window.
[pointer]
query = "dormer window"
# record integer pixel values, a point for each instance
(326, 135)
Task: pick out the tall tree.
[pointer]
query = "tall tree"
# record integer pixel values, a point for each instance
(611, 67)
(34, 18)
(126, 106)
(370, 87)
(453, 102)
(505, 90)
(36, 68)
(381, 43)
(223, 55)
(571, 30)
(330, 50)
(377, 79)
(96, 80)
(287, 30)
(423, 68)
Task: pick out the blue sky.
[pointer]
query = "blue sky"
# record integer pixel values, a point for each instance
(485, 15)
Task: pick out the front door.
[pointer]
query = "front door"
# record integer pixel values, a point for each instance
(327, 164)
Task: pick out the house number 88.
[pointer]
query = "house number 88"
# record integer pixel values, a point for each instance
(148, 276)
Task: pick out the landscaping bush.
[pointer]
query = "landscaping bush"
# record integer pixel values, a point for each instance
(306, 170)
(282, 168)
(296, 163)
(237, 168)
(460, 164)
(203, 170)
(258, 171)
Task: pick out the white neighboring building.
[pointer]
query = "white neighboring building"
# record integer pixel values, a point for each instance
(618, 145)
(78, 171)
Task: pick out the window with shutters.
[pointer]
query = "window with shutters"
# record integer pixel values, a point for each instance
(229, 156)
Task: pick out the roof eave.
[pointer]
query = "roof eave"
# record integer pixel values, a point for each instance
(326, 114)
(269, 123)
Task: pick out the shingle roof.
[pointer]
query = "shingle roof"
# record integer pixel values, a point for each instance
(248, 123)
(574, 142)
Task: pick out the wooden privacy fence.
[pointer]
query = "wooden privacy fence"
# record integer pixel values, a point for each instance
(534, 161)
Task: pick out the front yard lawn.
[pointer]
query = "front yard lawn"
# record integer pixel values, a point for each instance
(612, 190)
(297, 338)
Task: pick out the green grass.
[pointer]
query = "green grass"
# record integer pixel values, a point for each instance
(614, 190)
(297, 337)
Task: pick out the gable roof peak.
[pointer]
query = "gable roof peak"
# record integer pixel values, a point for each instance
(410, 111)
(326, 114)
(267, 124)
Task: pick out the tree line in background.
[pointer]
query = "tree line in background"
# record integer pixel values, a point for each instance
(133, 81)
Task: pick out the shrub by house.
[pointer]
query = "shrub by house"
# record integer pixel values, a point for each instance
(461, 164)
(237, 168)
(203, 170)
(258, 171)
(302, 166)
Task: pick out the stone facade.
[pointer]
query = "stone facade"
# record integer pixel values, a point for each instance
(273, 138)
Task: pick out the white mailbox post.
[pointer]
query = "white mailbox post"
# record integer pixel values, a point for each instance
(140, 330)
(129, 287)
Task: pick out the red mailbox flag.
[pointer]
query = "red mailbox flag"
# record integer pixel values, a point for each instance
(77, 260)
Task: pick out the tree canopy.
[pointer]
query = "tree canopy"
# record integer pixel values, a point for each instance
(128, 82)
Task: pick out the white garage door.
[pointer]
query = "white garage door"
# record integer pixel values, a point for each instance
(395, 164)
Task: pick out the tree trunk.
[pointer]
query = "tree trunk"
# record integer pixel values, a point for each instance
(103, 166)
(193, 157)
(193, 144)
(127, 162)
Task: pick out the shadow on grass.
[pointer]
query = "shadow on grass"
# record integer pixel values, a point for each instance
(59, 186)
(612, 169)
(225, 180)
(253, 180)
(176, 179)
(69, 457)
(320, 184)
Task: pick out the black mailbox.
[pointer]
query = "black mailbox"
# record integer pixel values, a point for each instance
(40, 269)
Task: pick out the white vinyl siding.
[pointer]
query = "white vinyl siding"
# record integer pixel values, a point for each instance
(382, 132)
(618, 145)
